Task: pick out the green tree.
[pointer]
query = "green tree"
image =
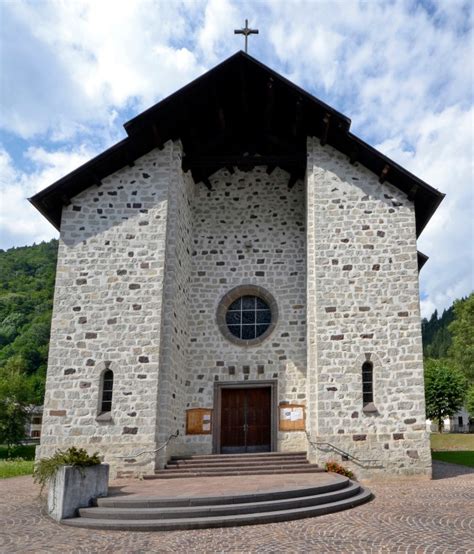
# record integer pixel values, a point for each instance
(445, 390)
(462, 331)
(16, 393)
(470, 402)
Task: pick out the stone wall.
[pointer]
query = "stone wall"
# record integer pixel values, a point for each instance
(363, 303)
(249, 229)
(107, 312)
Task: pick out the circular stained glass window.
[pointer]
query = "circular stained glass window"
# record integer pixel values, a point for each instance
(248, 317)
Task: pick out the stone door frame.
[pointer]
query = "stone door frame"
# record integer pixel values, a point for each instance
(272, 384)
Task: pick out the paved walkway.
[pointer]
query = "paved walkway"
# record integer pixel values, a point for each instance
(406, 516)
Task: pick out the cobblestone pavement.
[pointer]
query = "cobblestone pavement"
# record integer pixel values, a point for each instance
(411, 516)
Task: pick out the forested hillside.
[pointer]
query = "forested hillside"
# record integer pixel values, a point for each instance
(436, 335)
(26, 300)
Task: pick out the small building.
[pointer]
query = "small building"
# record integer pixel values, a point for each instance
(240, 274)
(33, 429)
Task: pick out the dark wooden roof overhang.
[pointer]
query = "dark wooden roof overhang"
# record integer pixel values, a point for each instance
(239, 114)
(422, 259)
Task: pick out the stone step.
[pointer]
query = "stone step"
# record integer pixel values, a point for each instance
(231, 520)
(338, 482)
(235, 463)
(243, 455)
(221, 510)
(218, 472)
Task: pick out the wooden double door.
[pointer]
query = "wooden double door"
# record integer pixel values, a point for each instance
(245, 420)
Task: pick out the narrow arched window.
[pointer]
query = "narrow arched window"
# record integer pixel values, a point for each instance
(107, 391)
(367, 383)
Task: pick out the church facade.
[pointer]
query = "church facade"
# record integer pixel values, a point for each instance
(239, 275)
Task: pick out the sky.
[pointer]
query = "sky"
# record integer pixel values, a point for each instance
(73, 71)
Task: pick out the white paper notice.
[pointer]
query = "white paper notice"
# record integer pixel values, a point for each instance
(206, 417)
(297, 414)
(286, 413)
(206, 426)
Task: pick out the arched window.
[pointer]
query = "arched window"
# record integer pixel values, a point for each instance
(367, 383)
(107, 391)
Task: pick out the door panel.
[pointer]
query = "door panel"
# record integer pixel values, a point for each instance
(246, 420)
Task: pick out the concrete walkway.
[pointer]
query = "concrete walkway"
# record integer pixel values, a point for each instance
(406, 516)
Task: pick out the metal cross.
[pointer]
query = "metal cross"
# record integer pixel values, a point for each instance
(246, 31)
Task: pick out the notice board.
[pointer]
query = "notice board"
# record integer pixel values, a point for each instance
(199, 421)
(292, 417)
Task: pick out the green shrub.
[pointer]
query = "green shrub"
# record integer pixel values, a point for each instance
(46, 468)
(334, 467)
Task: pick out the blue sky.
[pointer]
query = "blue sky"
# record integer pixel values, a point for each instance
(72, 72)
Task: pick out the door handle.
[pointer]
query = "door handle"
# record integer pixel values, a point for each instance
(245, 427)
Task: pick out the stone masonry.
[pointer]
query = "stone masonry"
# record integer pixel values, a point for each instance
(144, 261)
(363, 304)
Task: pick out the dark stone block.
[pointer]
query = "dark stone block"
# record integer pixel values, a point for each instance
(413, 454)
(130, 431)
(355, 415)
(347, 267)
(402, 314)
(143, 359)
(364, 308)
(90, 362)
(137, 307)
(145, 175)
(76, 208)
(231, 370)
(380, 233)
(69, 371)
(331, 389)
(330, 309)
(82, 320)
(410, 420)
(112, 321)
(57, 413)
(143, 223)
(81, 281)
(76, 309)
(398, 436)
(121, 272)
(144, 265)
(91, 335)
(84, 385)
(367, 336)
(376, 267)
(359, 437)
(337, 337)
(141, 376)
(134, 286)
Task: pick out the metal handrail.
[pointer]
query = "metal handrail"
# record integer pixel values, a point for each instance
(175, 435)
(343, 453)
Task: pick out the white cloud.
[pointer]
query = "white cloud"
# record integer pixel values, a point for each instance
(18, 219)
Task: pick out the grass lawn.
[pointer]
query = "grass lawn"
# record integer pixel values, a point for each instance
(464, 458)
(20, 461)
(452, 441)
(15, 468)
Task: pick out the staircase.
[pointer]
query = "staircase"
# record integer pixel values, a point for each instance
(168, 514)
(281, 500)
(215, 465)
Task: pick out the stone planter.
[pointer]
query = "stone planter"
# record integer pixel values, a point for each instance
(74, 488)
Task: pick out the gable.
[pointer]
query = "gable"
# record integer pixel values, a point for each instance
(239, 114)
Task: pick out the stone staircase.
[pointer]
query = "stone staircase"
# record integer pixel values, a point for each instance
(322, 493)
(215, 465)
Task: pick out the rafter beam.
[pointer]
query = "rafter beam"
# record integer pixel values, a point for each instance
(353, 156)
(384, 173)
(325, 129)
(412, 193)
(157, 138)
